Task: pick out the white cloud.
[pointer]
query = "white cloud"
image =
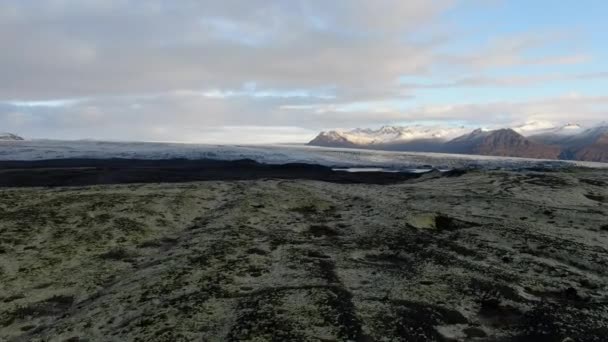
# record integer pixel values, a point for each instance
(62, 49)
(566, 108)
(510, 80)
(194, 70)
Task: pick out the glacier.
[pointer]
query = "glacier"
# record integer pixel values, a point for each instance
(272, 154)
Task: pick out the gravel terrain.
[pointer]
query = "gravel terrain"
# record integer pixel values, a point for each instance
(480, 256)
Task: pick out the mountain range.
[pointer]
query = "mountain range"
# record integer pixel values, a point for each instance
(9, 137)
(532, 140)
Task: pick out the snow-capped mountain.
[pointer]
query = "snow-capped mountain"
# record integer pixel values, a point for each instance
(9, 137)
(589, 144)
(531, 128)
(388, 135)
(534, 139)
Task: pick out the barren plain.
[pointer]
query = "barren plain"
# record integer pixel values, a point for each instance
(479, 256)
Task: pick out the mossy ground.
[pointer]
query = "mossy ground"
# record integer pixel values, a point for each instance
(485, 256)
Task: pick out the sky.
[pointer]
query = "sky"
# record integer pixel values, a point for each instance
(262, 71)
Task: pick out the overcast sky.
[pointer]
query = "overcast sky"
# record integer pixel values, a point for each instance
(257, 71)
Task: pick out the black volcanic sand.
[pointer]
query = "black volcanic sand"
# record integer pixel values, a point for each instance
(79, 172)
(486, 256)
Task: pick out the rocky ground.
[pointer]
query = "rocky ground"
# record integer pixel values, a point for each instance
(483, 256)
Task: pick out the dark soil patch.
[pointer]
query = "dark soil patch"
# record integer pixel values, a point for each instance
(546, 180)
(498, 315)
(13, 298)
(52, 306)
(306, 210)
(416, 321)
(597, 198)
(320, 231)
(593, 182)
(474, 332)
(396, 259)
(79, 172)
(118, 254)
(256, 251)
(548, 322)
(163, 243)
(443, 222)
(316, 255)
(485, 289)
(259, 319)
(342, 311)
(567, 296)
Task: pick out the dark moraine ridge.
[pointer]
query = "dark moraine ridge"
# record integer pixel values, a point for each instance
(79, 172)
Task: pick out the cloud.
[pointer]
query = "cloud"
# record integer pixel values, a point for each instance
(202, 70)
(566, 108)
(62, 49)
(508, 81)
(513, 51)
(205, 119)
(59, 49)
